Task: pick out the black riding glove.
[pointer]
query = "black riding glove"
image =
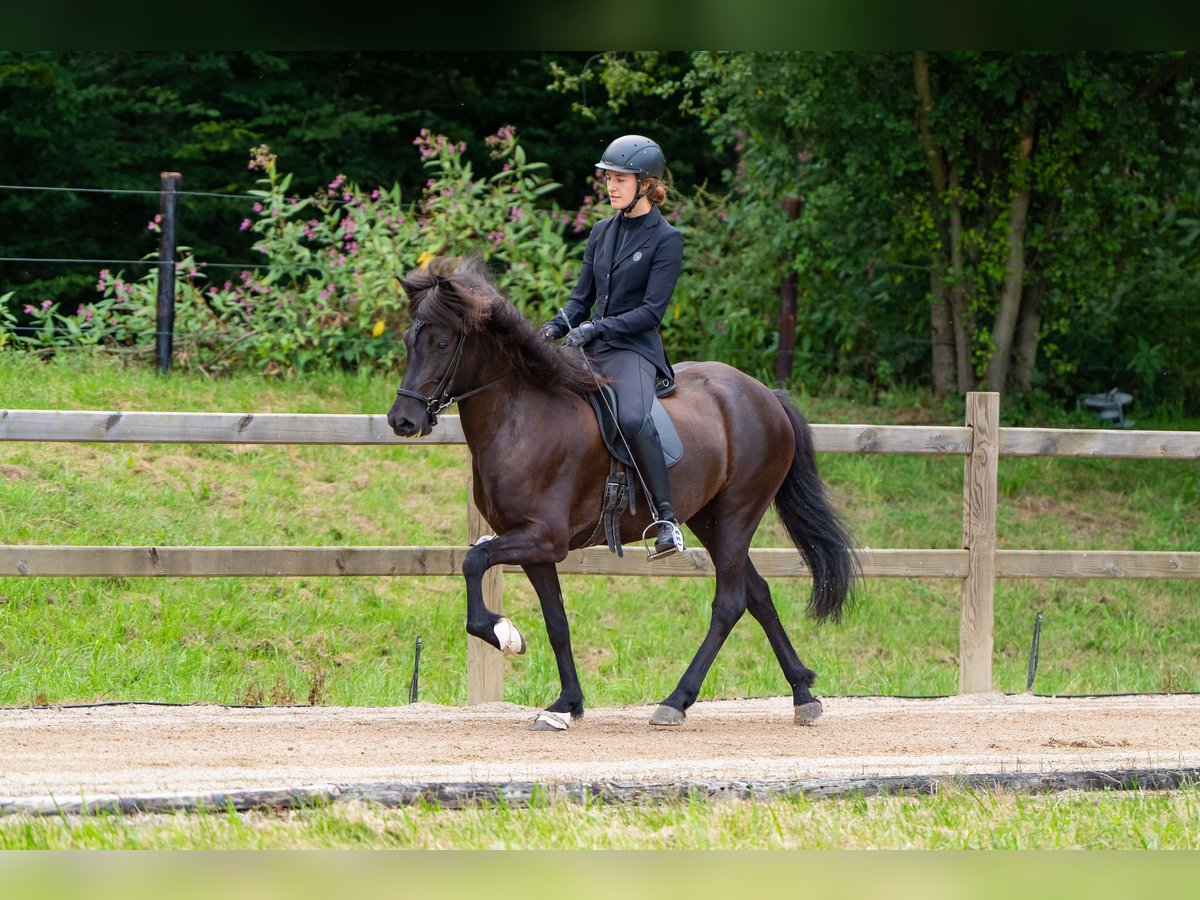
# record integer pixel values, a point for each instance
(552, 330)
(577, 337)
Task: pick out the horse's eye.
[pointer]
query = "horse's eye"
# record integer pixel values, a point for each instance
(442, 345)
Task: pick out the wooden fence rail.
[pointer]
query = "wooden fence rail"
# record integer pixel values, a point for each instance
(977, 565)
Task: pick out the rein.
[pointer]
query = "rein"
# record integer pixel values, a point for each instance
(442, 397)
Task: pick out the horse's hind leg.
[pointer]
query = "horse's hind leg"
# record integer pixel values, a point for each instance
(544, 578)
(799, 676)
(729, 603)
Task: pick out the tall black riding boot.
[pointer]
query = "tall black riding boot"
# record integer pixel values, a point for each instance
(647, 453)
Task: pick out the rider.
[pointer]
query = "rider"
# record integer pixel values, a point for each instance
(630, 266)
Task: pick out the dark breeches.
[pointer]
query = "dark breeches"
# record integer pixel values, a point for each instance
(633, 382)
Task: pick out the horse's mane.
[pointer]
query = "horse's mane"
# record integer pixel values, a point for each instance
(457, 292)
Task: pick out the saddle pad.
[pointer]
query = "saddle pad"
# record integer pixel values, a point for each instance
(667, 435)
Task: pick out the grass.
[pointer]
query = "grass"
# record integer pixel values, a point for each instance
(953, 819)
(351, 641)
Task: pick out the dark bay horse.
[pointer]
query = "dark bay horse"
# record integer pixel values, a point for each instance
(540, 467)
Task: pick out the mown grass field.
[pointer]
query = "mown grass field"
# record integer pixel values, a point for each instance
(351, 641)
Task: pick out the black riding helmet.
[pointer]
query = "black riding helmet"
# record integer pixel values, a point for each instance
(635, 155)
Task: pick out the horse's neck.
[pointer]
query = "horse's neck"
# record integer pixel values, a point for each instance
(497, 418)
(489, 414)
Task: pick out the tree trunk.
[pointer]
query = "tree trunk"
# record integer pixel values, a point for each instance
(942, 317)
(785, 358)
(1014, 278)
(941, 335)
(964, 326)
(1028, 331)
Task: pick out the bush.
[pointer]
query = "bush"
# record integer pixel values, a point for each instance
(327, 294)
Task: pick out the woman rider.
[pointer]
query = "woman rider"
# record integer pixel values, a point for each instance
(630, 266)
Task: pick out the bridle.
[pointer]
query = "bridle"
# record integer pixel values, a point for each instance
(442, 397)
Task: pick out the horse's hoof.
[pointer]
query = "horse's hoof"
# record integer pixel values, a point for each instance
(667, 715)
(807, 713)
(550, 721)
(508, 639)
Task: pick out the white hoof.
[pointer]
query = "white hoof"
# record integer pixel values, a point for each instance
(508, 639)
(550, 721)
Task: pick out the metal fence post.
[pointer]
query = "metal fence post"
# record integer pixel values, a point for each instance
(165, 327)
(976, 632)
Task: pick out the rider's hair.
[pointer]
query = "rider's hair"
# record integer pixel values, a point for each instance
(655, 189)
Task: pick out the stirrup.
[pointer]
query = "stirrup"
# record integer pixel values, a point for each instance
(676, 545)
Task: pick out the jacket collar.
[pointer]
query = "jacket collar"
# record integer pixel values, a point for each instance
(648, 222)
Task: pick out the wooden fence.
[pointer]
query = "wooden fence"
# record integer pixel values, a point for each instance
(977, 565)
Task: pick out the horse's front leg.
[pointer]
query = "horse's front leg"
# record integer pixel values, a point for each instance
(544, 578)
(495, 629)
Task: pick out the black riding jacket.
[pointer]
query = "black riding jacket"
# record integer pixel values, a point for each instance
(626, 290)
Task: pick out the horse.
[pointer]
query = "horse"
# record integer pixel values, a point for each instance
(540, 467)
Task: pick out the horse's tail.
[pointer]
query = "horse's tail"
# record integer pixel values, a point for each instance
(814, 525)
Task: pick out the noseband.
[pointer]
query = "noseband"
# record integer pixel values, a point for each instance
(442, 397)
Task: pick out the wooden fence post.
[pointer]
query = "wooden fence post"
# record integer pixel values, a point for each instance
(976, 626)
(165, 327)
(485, 664)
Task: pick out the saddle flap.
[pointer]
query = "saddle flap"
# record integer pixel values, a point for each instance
(605, 409)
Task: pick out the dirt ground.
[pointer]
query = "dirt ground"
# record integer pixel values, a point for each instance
(65, 755)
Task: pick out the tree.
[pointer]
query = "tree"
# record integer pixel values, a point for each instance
(964, 214)
(102, 119)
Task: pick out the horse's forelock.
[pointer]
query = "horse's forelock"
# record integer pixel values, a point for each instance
(450, 291)
(458, 293)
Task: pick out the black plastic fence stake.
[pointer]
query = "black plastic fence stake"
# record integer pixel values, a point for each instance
(165, 329)
(412, 688)
(1033, 653)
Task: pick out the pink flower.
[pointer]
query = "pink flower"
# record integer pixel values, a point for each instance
(257, 207)
(245, 224)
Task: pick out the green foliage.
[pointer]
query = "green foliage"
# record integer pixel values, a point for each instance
(725, 301)
(328, 294)
(109, 119)
(1109, 167)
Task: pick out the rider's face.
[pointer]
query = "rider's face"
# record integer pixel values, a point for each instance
(622, 188)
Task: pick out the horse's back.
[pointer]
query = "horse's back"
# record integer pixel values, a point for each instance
(718, 385)
(730, 423)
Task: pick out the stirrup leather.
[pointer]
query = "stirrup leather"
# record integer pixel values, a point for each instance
(676, 545)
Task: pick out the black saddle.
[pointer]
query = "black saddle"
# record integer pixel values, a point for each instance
(605, 408)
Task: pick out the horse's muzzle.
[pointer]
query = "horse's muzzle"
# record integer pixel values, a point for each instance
(402, 426)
